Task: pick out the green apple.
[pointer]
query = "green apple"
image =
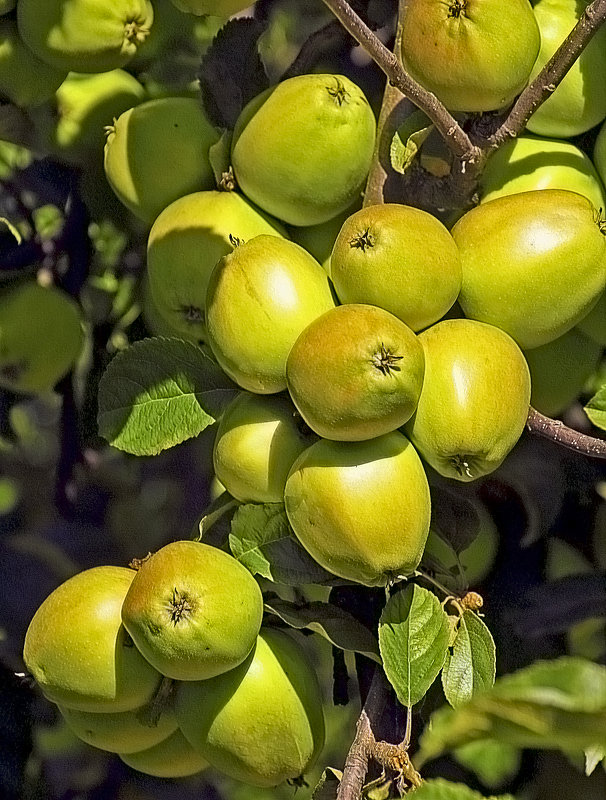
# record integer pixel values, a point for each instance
(193, 611)
(319, 239)
(173, 757)
(178, 128)
(41, 337)
(579, 101)
(7, 5)
(155, 323)
(594, 324)
(475, 397)
(519, 255)
(261, 723)
(257, 441)
(399, 258)
(345, 500)
(474, 55)
(528, 163)
(356, 372)
(260, 298)
(560, 369)
(302, 149)
(599, 157)
(216, 8)
(120, 732)
(85, 35)
(78, 651)
(24, 79)
(186, 241)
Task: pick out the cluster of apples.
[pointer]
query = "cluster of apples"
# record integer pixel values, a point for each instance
(243, 699)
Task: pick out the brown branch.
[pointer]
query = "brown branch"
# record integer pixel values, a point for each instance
(313, 47)
(552, 73)
(567, 437)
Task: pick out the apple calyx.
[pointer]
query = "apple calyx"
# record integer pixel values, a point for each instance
(457, 8)
(192, 314)
(179, 607)
(362, 241)
(135, 32)
(600, 220)
(338, 92)
(386, 361)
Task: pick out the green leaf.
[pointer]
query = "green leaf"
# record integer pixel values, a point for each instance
(12, 229)
(261, 538)
(471, 665)
(558, 704)
(159, 392)
(413, 639)
(593, 756)
(596, 408)
(333, 623)
(326, 788)
(440, 789)
(495, 763)
(408, 139)
(219, 155)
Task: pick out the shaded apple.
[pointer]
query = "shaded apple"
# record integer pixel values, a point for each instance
(173, 757)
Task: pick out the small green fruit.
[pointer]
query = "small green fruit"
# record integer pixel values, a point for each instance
(173, 757)
(302, 149)
(40, 337)
(361, 509)
(594, 324)
(399, 258)
(78, 651)
(186, 241)
(356, 372)
(261, 723)
(193, 611)
(475, 397)
(178, 128)
(257, 441)
(216, 8)
(260, 298)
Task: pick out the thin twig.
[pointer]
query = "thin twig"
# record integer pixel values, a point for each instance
(567, 437)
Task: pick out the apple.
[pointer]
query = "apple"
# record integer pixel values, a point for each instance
(173, 757)
(519, 255)
(257, 441)
(475, 397)
(260, 298)
(85, 35)
(120, 732)
(579, 101)
(261, 723)
(474, 55)
(594, 324)
(356, 372)
(217, 8)
(529, 162)
(193, 610)
(186, 241)
(302, 149)
(41, 336)
(389, 255)
(24, 79)
(78, 651)
(599, 157)
(560, 369)
(319, 239)
(361, 509)
(7, 5)
(178, 128)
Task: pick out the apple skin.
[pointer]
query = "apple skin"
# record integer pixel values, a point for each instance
(355, 372)
(319, 239)
(193, 611)
(78, 651)
(260, 298)
(216, 8)
(178, 128)
(474, 55)
(387, 255)
(41, 337)
(475, 398)
(173, 757)
(84, 35)
(186, 241)
(263, 722)
(361, 509)
(560, 369)
(121, 732)
(528, 163)
(257, 441)
(302, 149)
(594, 324)
(518, 255)
(579, 101)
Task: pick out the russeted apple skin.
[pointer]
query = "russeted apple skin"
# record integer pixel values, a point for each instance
(260, 298)
(355, 373)
(302, 149)
(263, 722)
(78, 651)
(193, 611)
(474, 55)
(388, 255)
(520, 254)
(361, 509)
(475, 398)
(173, 757)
